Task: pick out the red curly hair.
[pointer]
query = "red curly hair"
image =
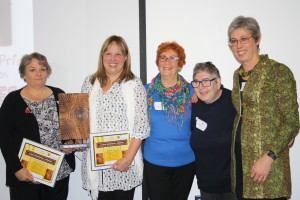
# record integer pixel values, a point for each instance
(173, 46)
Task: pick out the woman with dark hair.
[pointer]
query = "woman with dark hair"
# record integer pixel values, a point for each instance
(32, 112)
(117, 101)
(168, 157)
(264, 96)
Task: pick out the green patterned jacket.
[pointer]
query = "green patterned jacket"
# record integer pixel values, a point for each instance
(270, 122)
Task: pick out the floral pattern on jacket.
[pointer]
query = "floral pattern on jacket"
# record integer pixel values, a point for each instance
(270, 121)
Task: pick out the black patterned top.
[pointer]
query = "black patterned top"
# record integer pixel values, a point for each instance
(46, 115)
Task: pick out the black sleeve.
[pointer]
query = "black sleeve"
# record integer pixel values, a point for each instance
(7, 141)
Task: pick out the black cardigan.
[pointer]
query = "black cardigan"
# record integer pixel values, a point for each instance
(15, 125)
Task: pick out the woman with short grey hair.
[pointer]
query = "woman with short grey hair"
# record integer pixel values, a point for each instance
(264, 96)
(211, 125)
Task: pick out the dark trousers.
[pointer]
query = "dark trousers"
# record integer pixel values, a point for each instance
(169, 183)
(116, 195)
(216, 196)
(41, 191)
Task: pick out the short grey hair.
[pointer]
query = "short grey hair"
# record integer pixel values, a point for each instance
(245, 22)
(207, 67)
(26, 59)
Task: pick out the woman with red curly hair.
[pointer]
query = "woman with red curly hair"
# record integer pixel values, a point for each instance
(168, 158)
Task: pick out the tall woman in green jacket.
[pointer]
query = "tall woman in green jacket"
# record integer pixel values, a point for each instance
(264, 95)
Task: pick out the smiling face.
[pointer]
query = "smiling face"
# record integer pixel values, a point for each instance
(35, 73)
(113, 61)
(207, 94)
(246, 54)
(169, 68)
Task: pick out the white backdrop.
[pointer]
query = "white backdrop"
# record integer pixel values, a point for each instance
(70, 33)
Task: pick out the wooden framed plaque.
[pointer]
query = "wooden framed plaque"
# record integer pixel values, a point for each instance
(74, 117)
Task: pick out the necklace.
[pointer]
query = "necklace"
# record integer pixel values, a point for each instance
(242, 73)
(37, 98)
(175, 100)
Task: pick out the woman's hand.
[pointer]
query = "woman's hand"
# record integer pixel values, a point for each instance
(122, 165)
(24, 175)
(68, 150)
(194, 98)
(83, 141)
(261, 169)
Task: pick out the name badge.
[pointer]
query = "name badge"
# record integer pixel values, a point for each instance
(158, 106)
(200, 124)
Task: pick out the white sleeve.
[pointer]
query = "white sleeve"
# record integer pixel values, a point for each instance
(141, 127)
(87, 85)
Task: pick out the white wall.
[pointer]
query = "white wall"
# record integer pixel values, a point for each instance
(70, 33)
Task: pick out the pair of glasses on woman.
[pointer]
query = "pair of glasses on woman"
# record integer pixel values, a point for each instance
(171, 59)
(205, 83)
(243, 40)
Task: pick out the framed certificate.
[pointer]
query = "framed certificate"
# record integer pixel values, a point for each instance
(107, 148)
(41, 161)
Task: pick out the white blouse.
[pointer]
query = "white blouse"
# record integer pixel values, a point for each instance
(111, 112)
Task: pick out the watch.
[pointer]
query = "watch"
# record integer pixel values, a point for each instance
(272, 155)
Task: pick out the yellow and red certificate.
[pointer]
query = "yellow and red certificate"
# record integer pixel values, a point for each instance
(41, 161)
(107, 148)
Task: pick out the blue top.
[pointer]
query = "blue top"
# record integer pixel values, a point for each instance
(167, 145)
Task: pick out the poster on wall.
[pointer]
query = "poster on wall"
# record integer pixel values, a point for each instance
(16, 39)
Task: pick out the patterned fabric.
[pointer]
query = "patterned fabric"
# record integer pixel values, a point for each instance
(46, 115)
(269, 122)
(174, 99)
(112, 116)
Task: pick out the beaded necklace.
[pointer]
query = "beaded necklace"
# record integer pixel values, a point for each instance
(242, 73)
(174, 99)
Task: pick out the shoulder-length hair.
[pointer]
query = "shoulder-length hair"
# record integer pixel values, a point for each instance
(126, 74)
(173, 46)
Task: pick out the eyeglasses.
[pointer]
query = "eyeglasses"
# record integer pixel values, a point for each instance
(171, 59)
(243, 40)
(205, 83)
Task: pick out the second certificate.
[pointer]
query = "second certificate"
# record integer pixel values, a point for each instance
(107, 148)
